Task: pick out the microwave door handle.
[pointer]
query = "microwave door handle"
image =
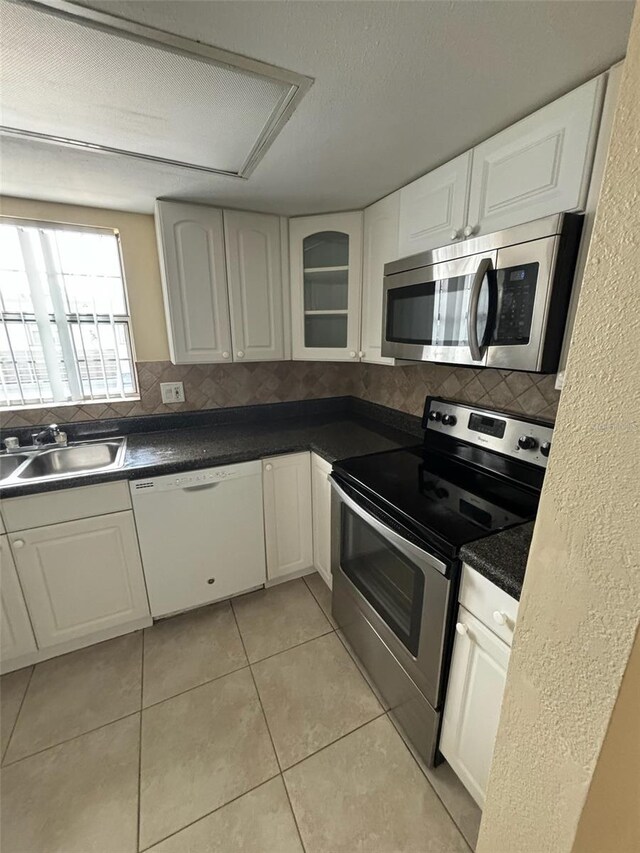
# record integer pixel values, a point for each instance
(474, 300)
(408, 548)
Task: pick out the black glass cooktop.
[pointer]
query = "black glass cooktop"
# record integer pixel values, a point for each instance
(436, 496)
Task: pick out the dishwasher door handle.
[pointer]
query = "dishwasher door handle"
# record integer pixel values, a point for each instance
(200, 487)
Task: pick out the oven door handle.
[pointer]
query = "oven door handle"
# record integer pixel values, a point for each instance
(474, 300)
(408, 548)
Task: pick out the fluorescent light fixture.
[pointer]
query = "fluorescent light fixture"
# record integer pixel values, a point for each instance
(73, 76)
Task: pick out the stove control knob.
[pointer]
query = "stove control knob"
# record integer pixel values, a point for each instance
(527, 442)
(434, 416)
(449, 420)
(545, 448)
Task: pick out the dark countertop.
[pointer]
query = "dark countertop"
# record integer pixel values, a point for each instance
(334, 428)
(502, 558)
(151, 454)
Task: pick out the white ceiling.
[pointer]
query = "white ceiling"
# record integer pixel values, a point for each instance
(400, 87)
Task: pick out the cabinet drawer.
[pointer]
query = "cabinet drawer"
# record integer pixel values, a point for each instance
(493, 607)
(28, 511)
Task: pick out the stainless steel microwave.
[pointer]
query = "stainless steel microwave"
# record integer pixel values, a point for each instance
(497, 300)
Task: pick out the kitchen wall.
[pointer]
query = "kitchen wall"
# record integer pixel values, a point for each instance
(614, 795)
(579, 616)
(214, 386)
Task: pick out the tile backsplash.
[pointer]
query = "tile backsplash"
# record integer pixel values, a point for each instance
(212, 386)
(406, 387)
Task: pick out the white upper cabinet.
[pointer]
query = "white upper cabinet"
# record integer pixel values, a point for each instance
(16, 636)
(433, 208)
(254, 272)
(380, 246)
(326, 277)
(539, 166)
(192, 263)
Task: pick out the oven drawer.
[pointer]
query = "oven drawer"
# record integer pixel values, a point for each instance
(400, 696)
(491, 605)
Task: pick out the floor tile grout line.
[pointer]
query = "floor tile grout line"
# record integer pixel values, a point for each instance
(275, 752)
(140, 744)
(293, 812)
(442, 802)
(213, 811)
(333, 742)
(15, 722)
(290, 648)
(255, 687)
(327, 615)
(194, 687)
(70, 739)
(266, 722)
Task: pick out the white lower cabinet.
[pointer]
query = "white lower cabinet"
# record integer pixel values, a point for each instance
(16, 635)
(287, 515)
(81, 577)
(473, 701)
(321, 493)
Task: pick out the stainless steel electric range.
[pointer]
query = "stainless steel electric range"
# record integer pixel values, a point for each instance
(399, 519)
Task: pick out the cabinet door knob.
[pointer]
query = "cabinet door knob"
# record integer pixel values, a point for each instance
(18, 543)
(268, 467)
(454, 235)
(240, 353)
(470, 230)
(353, 353)
(499, 617)
(225, 355)
(461, 628)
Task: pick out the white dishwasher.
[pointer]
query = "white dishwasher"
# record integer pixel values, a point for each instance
(201, 535)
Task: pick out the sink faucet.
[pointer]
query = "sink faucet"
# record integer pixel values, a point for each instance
(51, 434)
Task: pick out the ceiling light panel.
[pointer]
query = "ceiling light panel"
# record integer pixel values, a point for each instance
(75, 76)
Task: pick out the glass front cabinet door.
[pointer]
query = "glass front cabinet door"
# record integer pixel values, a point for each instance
(326, 280)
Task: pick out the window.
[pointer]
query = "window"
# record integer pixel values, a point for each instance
(65, 334)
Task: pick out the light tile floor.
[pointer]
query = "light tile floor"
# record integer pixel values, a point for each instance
(237, 727)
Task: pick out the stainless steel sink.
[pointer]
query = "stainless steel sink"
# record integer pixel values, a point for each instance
(78, 459)
(58, 462)
(9, 464)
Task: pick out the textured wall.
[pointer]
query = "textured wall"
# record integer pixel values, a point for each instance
(139, 256)
(580, 604)
(614, 795)
(211, 386)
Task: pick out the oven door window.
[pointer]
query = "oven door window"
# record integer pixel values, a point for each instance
(391, 583)
(435, 313)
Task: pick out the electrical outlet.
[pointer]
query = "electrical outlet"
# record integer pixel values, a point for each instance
(172, 392)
